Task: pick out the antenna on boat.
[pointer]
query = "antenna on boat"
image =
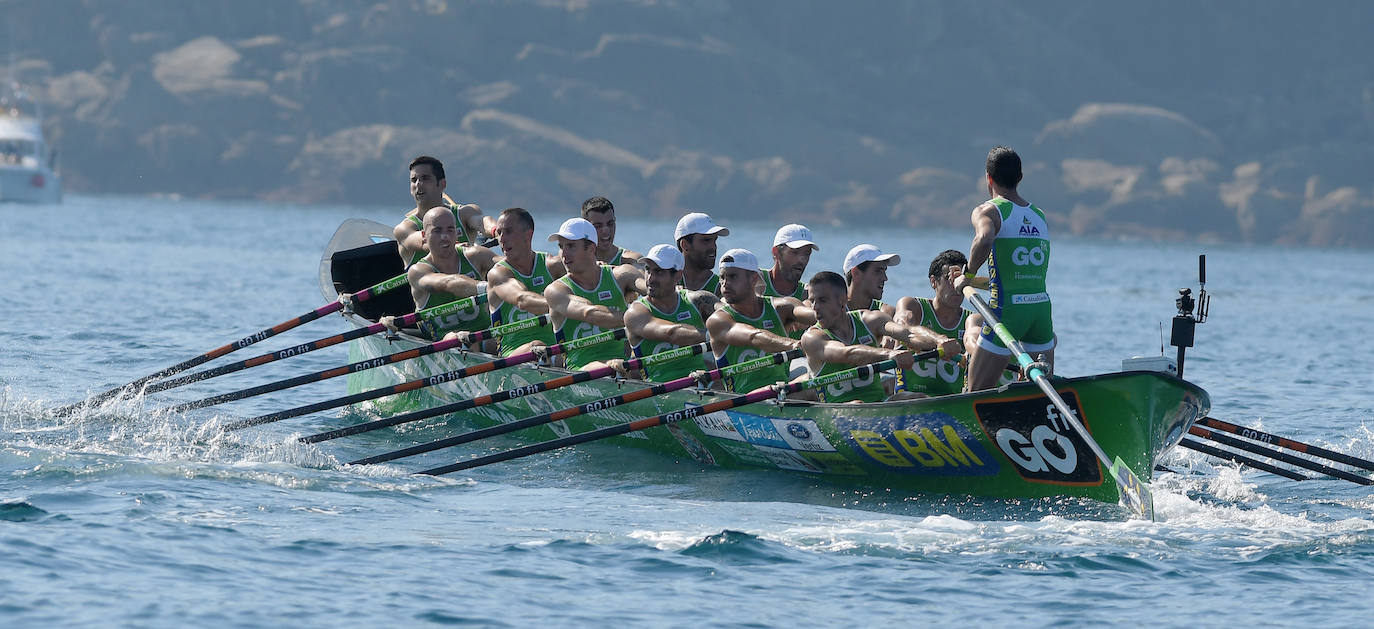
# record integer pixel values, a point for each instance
(1185, 321)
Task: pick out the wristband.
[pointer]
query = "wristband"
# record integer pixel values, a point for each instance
(970, 275)
(940, 351)
(481, 287)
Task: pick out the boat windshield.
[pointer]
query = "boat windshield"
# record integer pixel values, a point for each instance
(14, 152)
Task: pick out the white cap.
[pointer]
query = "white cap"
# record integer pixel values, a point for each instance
(868, 253)
(575, 229)
(795, 237)
(739, 259)
(666, 257)
(697, 223)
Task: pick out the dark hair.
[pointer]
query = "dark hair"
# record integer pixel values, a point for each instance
(862, 266)
(1004, 166)
(520, 215)
(946, 259)
(596, 204)
(827, 278)
(433, 162)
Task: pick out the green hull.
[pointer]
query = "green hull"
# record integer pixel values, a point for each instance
(1005, 443)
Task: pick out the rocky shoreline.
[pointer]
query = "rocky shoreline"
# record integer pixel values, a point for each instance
(819, 113)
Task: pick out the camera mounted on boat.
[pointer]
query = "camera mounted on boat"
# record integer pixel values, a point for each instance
(1185, 321)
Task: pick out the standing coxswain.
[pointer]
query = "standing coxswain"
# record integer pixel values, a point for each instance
(591, 298)
(843, 338)
(427, 184)
(696, 236)
(668, 316)
(601, 214)
(1013, 237)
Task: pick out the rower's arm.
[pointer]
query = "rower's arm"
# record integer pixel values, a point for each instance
(574, 307)
(474, 222)
(510, 290)
(641, 323)
(409, 239)
(794, 315)
(631, 280)
(433, 282)
(916, 337)
(986, 222)
(482, 258)
(820, 349)
(725, 331)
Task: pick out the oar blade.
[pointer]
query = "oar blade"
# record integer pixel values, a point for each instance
(1135, 495)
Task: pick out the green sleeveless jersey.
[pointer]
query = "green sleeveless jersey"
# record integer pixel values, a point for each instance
(619, 258)
(935, 376)
(538, 279)
(1020, 256)
(686, 314)
(868, 389)
(712, 284)
(606, 293)
(471, 319)
(734, 355)
(420, 225)
(771, 291)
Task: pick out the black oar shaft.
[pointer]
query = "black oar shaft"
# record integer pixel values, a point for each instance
(260, 335)
(1284, 442)
(500, 396)
(435, 380)
(1277, 455)
(1227, 455)
(362, 365)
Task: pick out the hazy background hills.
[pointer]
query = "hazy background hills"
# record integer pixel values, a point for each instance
(1244, 121)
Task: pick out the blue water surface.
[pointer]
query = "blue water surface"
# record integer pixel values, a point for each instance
(130, 515)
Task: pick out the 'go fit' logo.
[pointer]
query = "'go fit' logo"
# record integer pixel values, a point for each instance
(1021, 256)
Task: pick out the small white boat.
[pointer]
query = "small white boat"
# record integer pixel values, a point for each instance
(27, 165)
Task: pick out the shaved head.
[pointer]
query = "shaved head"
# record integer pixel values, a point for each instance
(439, 216)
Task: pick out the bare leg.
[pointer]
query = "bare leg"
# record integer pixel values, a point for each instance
(984, 368)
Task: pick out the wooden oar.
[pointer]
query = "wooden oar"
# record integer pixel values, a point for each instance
(757, 395)
(1227, 455)
(332, 307)
(448, 376)
(1277, 455)
(1283, 442)
(589, 407)
(508, 394)
(303, 348)
(1133, 492)
(363, 365)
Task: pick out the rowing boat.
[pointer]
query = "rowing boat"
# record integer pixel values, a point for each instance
(1009, 443)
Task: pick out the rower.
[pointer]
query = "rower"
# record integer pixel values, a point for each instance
(1011, 235)
(843, 337)
(590, 299)
(748, 325)
(668, 316)
(449, 273)
(601, 214)
(696, 236)
(945, 315)
(792, 247)
(515, 286)
(865, 270)
(427, 183)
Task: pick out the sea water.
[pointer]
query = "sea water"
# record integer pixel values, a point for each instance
(130, 515)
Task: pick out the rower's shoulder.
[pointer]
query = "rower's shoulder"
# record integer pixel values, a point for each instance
(630, 255)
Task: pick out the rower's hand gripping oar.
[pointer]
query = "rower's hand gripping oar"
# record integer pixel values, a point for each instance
(588, 407)
(364, 365)
(507, 394)
(330, 308)
(757, 395)
(290, 352)
(1132, 492)
(435, 380)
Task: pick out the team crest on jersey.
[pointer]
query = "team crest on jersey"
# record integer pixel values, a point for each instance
(768, 323)
(539, 280)
(684, 315)
(603, 295)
